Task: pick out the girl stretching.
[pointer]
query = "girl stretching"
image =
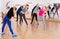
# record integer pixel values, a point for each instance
(7, 20)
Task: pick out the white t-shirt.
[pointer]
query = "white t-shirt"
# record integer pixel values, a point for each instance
(35, 11)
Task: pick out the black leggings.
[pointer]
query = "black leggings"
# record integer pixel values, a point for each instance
(24, 17)
(34, 15)
(48, 14)
(17, 15)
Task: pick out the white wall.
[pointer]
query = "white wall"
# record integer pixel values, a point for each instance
(0, 5)
(34, 2)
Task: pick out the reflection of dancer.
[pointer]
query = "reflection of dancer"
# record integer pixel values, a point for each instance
(56, 10)
(53, 11)
(41, 16)
(7, 19)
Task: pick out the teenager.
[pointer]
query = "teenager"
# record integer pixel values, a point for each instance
(41, 16)
(34, 13)
(57, 8)
(24, 9)
(5, 11)
(49, 10)
(54, 10)
(33, 9)
(7, 19)
(19, 12)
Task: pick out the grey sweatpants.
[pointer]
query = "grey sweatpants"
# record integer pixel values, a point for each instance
(41, 18)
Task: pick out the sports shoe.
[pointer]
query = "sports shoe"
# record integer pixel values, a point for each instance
(2, 34)
(14, 36)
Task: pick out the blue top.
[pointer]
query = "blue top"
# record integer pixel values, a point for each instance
(20, 9)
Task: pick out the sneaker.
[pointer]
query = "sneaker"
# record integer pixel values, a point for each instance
(2, 34)
(44, 27)
(14, 36)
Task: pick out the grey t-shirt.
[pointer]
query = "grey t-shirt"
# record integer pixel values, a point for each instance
(24, 10)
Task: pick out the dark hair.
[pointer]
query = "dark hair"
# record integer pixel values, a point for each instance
(21, 6)
(39, 8)
(8, 7)
(54, 4)
(27, 5)
(49, 6)
(15, 8)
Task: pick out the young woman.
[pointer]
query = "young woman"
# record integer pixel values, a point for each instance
(49, 10)
(7, 19)
(24, 10)
(34, 13)
(41, 16)
(5, 11)
(19, 11)
(56, 10)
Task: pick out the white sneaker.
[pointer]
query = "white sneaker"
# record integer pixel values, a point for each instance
(14, 36)
(2, 34)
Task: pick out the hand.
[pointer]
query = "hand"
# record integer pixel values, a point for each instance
(7, 7)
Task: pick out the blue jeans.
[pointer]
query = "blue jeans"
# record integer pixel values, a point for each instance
(6, 20)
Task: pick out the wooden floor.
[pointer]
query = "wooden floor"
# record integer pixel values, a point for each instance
(52, 30)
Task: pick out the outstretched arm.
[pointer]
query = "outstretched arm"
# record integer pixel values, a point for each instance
(7, 5)
(18, 5)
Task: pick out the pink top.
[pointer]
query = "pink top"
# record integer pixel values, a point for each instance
(41, 12)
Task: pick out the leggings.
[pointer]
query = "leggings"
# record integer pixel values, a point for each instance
(17, 15)
(34, 15)
(48, 14)
(6, 20)
(42, 18)
(24, 17)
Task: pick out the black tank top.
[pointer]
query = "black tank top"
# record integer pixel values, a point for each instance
(10, 13)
